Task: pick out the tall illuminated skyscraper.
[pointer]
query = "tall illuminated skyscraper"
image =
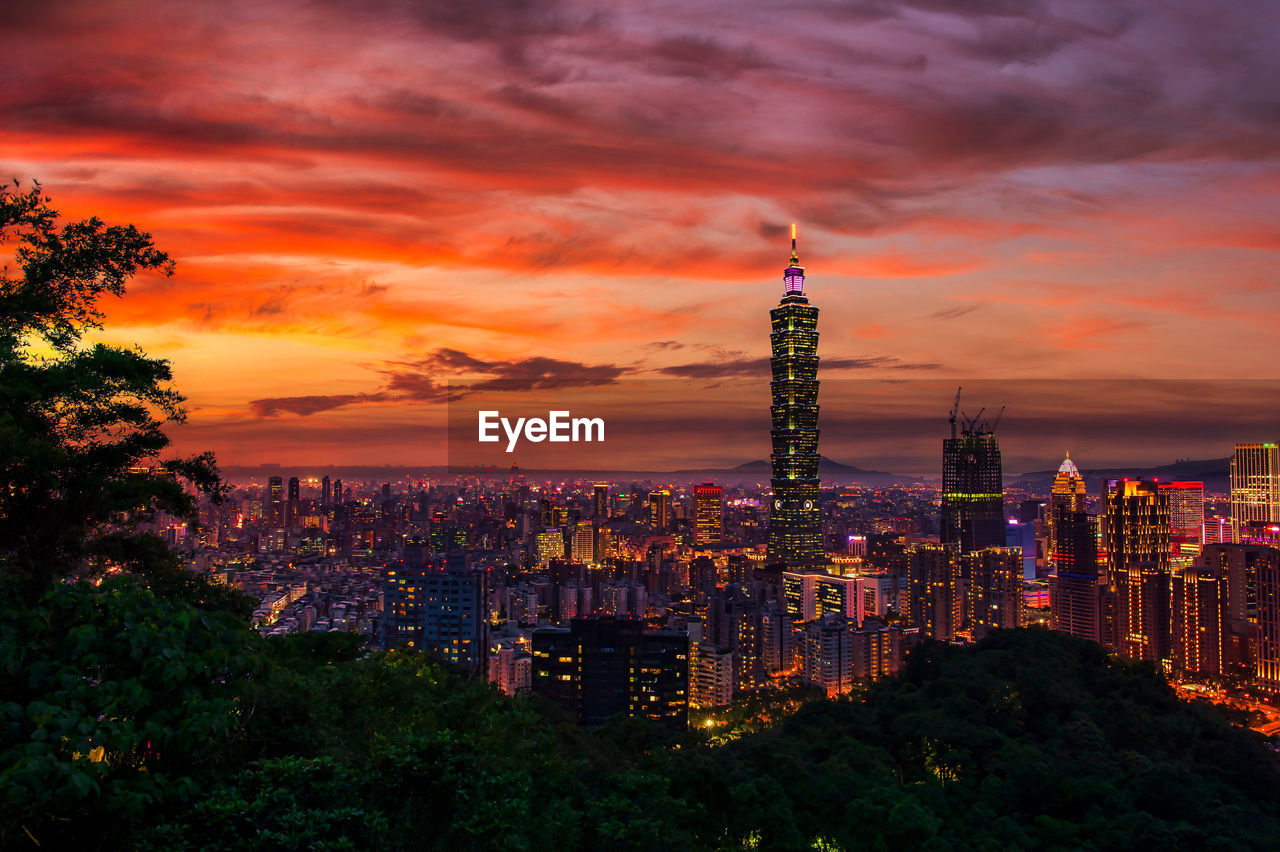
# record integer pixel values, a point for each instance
(1066, 495)
(660, 509)
(275, 487)
(708, 514)
(1255, 486)
(795, 531)
(1137, 541)
(1186, 517)
(972, 488)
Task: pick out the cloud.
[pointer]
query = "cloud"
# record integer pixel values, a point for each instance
(954, 313)
(305, 406)
(448, 375)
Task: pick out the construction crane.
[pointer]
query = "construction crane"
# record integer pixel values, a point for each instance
(996, 425)
(955, 408)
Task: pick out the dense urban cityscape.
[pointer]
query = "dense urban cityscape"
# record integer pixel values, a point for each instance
(659, 599)
(407, 443)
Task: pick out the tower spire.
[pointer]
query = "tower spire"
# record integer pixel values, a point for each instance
(795, 258)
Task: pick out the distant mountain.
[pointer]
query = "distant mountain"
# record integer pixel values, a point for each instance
(1214, 473)
(825, 465)
(758, 470)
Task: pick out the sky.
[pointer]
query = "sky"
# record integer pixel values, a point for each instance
(373, 201)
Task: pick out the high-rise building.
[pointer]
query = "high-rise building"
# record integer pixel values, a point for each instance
(660, 509)
(1066, 495)
(1186, 517)
(993, 589)
(549, 544)
(582, 545)
(795, 529)
(600, 501)
(935, 590)
(291, 510)
(708, 514)
(1268, 660)
(438, 607)
(826, 654)
(1137, 543)
(603, 667)
(1198, 619)
(710, 672)
(734, 622)
(972, 488)
(275, 488)
(1255, 485)
(337, 492)
(1074, 589)
(326, 491)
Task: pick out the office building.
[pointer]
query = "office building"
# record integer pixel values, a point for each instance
(1137, 543)
(972, 488)
(795, 529)
(1074, 589)
(438, 607)
(708, 514)
(1067, 494)
(1255, 485)
(1268, 589)
(1198, 620)
(275, 489)
(660, 510)
(1186, 517)
(602, 667)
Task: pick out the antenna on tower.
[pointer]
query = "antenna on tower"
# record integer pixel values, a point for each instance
(795, 258)
(955, 408)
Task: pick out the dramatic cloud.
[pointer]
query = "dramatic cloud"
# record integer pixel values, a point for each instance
(534, 191)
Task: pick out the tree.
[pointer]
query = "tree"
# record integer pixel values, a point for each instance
(81, 424)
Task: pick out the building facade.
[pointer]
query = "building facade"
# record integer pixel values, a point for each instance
(795, 530)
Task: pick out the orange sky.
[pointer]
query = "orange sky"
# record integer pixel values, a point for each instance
(369, 200)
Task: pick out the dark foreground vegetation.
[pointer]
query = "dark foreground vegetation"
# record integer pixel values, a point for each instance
(133, 721)
(139, 711)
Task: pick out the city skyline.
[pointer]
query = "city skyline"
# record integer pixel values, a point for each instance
(988, 194)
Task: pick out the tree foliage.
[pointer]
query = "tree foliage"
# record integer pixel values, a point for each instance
(81, 423)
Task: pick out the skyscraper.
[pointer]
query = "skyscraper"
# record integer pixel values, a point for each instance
(935, 590)
(1066, 495)
(660, 510)
(708, 512)
(1186, 517)
(325, 491)
(1074, 588)
(600, 501)
(1255, 486)
(795, 531)
(993, 589)
(972, 487)
(1137, 539)
(275, 487)
(1199, 619)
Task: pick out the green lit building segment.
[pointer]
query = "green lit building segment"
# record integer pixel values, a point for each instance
(972, 491)
(795, 531)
